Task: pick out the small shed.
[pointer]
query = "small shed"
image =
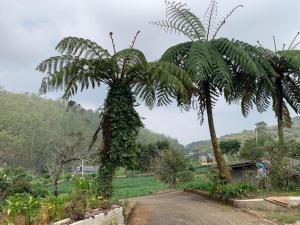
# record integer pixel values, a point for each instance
(87, 170)
(239, 170)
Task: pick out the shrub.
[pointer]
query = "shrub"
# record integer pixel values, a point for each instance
(25, 205)
(218, 189)
(52, 208)
(238, 190)
(78, 205)
(168, 164)
(185, 176)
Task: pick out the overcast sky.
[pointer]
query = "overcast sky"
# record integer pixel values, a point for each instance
(29, 31)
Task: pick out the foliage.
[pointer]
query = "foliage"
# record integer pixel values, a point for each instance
(28, 141)
(14, 181)
(126, 187)
(185, 176)
(213, 64)
(136, 186)
(294, 149)
(251, 150)
(52, 207)
(84, 64)
(73, 148)
(168, 164)
(22, 205)
(290, 134)
(230, 146)
(148, 153)
(198, 183)
(226, 191)
(235, 190)
(281, 85)
(258, 147)
(218, 189)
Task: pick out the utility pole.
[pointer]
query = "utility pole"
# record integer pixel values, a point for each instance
(256, 135)
(81, 167)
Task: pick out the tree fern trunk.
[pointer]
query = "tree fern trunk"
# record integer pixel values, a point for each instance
(120, 126)
(279, 96)
(277, 171)
(223, 169)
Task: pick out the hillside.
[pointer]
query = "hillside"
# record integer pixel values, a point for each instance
(290, 134)
(29, 124)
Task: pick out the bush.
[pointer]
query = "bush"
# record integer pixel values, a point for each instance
(218, 189)
(168, 164)
(25, 205)
(185, 176)
(251, 150)
(52, 208)
(238, 190)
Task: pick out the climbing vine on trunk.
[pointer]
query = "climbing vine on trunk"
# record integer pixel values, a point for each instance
(120, 123)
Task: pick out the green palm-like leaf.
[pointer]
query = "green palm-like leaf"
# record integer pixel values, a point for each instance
(182, 20)
(82, 48)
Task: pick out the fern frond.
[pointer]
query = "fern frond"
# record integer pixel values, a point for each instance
(177, 54)
(168, 81)
(291, 91)
(180, 19)
(210, 17)
(236, 55)
(81, 47)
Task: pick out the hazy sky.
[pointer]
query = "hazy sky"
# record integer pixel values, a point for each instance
(30, 29)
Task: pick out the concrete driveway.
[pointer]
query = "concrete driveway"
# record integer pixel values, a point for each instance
(181, 208)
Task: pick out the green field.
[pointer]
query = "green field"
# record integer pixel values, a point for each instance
(127, 187)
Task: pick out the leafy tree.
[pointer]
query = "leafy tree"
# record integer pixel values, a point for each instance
(211, 63)
(251, 150)
(27, 136)
(230, 146)
(148, 154)
(294, 149)
(169, 164)
(84, 64)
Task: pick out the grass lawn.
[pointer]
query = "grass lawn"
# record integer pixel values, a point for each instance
(126, 187)
(136, 186)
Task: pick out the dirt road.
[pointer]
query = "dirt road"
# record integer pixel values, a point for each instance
(180, 208)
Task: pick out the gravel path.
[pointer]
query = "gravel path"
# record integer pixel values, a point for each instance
(181, 208)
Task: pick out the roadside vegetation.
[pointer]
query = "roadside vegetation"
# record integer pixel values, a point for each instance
(59, 146)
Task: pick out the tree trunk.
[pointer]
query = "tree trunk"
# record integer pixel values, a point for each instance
(55, 186)
(120, 126)
(279, 96)
(277, 171)
(223, 169)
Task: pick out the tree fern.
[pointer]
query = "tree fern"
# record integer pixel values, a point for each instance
(84, 64)
(212, 64)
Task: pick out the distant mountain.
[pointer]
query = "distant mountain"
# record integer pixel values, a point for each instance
(290, 133)
(28, 122)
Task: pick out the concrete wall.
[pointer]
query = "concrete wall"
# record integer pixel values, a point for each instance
(259, 204)
(114, 216)
(294, 201)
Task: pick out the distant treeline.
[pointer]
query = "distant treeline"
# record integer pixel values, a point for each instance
(31, 127)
